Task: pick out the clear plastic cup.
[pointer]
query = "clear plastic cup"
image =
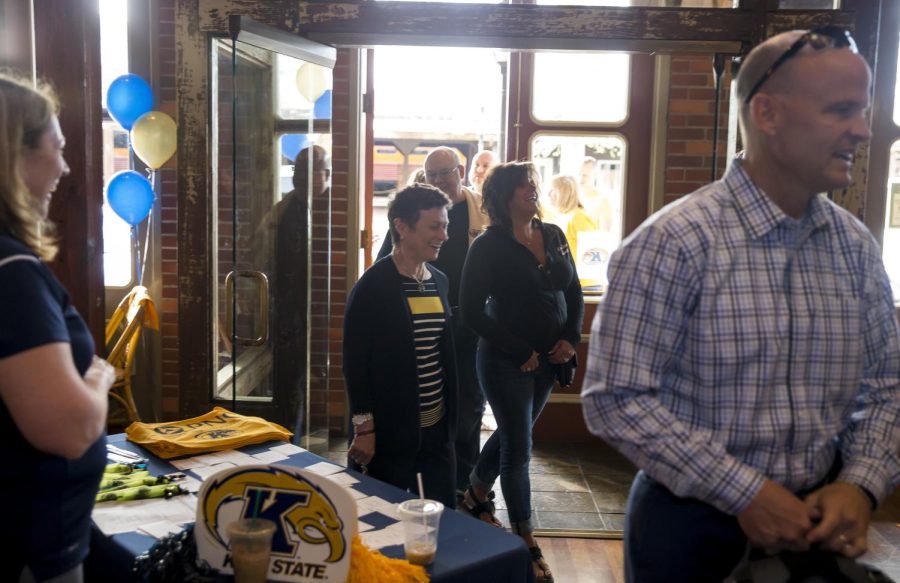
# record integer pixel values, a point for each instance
(250, 541)
(421, 519)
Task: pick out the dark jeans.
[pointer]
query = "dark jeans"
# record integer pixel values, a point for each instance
(470, 402)
(516, 399)
(671, 539)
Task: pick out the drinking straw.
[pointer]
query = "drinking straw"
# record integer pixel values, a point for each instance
(422, 498)
(256, 505)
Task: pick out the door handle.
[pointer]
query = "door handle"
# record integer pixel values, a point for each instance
(263, 306)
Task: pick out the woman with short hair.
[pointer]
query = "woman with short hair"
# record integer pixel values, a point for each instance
(399, 364)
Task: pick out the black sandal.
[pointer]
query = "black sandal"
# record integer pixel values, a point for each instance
(477, 508)
(537, 557)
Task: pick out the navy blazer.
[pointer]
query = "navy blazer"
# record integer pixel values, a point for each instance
(379, 361)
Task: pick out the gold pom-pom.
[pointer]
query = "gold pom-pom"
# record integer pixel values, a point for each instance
(368, 566)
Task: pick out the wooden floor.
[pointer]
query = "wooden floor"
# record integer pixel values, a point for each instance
(581, 560)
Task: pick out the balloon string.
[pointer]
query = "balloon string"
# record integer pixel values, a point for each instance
(136, 243)
(152, 176)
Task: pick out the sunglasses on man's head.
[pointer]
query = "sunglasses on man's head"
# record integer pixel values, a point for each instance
(826, 37)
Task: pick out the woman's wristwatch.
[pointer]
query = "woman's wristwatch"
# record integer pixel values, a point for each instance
(361, 418)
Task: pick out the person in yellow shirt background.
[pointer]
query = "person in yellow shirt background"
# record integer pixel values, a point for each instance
(569, 213)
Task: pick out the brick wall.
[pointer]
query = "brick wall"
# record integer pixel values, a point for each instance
(168, 303)
(333, 402)
(691, 122)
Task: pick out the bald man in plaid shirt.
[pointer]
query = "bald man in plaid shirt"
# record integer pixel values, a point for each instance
(746, 354)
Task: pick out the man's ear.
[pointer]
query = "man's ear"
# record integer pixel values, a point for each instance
(462, 172)
(766, 112)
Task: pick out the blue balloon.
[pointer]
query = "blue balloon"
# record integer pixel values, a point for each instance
(128, 98)
(130, 195)
(291, 144)
(322, 107)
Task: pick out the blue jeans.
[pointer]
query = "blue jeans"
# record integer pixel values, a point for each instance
(671, 539)
(516, 399)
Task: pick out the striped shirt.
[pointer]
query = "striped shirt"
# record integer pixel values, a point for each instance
(738, 344)
(429, 322)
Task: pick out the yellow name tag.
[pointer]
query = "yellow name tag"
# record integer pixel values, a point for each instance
(429, 305)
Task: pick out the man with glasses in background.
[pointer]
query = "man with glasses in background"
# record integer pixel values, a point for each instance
(746, 358)
(466, 221)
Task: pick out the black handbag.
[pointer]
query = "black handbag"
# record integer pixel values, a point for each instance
(813, 566)
(565, 372)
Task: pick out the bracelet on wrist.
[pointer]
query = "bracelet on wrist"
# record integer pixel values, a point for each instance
(361, 418)
(369, 432)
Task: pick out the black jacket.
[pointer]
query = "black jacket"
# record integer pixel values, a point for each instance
(379, 361)
(516, 305)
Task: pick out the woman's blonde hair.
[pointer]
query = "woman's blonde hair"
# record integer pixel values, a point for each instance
(25, 114)
(564, 193)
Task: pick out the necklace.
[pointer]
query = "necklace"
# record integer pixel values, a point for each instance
(418, 275)
(420, 280)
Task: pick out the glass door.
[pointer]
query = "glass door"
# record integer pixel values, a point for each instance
(271, 138)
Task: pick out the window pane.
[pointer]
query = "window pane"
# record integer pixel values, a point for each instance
(581, 87)
(113, 42)
(590, 212)
(892, 222)
(117, 249)
(303, 89)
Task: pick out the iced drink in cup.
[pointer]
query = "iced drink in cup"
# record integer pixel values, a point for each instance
(421, 519)
(250, 541)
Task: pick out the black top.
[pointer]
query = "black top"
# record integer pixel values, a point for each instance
(48, 497)
(379, 360)
(429, 323)
(453, 252)
(515, 304)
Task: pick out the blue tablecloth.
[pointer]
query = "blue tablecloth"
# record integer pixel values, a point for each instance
(469, 550)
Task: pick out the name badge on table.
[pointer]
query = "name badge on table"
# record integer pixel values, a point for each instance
(315, 520)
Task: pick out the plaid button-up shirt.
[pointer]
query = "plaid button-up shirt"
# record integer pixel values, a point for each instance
(737, 344)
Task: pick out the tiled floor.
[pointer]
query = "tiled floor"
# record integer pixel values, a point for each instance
(580, 487)
(576, 487)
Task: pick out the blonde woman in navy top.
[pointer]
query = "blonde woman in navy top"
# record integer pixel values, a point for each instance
(53, 390)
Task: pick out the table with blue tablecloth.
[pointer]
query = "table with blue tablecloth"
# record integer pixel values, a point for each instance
(469, 550)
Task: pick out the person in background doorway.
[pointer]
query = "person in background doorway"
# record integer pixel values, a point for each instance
(521, 295)
(570, 215)
(597, 203)
(481, 163)
(417, 176)
(53, 390)
(747, 357)
(282, 249)
(398, 357)
(467, 220)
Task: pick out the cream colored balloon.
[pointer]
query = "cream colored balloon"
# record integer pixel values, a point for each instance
(154, 137)
(312, 81)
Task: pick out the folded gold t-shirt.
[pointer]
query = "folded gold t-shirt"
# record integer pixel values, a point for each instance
(217, 430)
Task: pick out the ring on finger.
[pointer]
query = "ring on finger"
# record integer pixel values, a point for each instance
(843, 539)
